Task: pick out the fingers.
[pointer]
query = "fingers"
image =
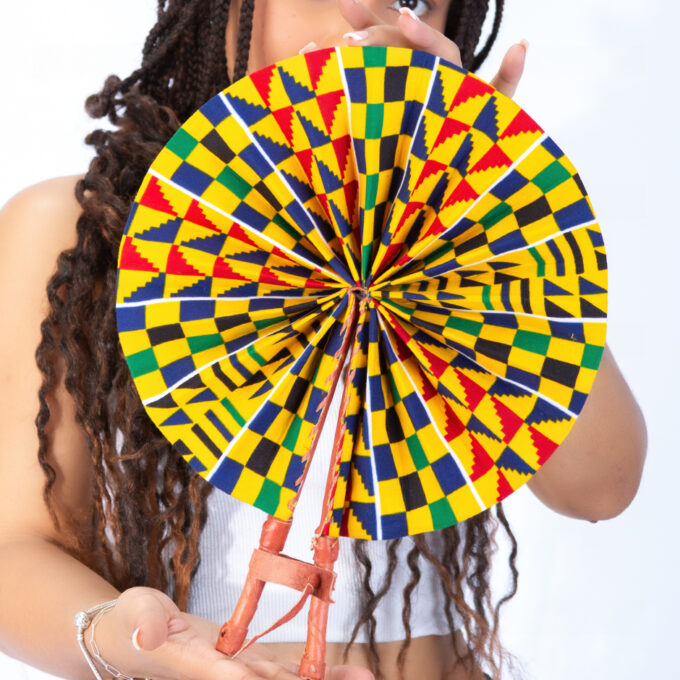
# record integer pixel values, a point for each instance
(423, 37)
(262, 668)
(357, 15)
(508, 76)
(259, 652)
(409, 31)
(377, 35)
(149, 616)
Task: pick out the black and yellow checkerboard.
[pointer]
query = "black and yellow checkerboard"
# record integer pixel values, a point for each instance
(388, 194)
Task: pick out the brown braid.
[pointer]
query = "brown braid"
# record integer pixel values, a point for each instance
(371, 599)
(243, 42)
(464, 26)
(412, 562)
(148, 508)
(469, 571)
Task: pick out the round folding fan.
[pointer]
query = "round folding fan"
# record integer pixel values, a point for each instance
(382, 215)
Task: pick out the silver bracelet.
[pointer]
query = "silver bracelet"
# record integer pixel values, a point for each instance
(90, 617)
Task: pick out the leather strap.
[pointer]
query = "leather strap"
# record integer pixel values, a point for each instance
(296, 574)
(287, 571)
(307, 591)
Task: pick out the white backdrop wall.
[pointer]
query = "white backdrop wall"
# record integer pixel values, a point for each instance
(595, 601)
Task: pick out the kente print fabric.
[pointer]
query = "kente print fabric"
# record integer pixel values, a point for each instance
(381, 212)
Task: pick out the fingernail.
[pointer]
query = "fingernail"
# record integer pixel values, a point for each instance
(356, 35)
(524, 43)
(308, 47)
(135, 639)
(410, 12)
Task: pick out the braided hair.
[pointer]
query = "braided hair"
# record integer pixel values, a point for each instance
(147, 508)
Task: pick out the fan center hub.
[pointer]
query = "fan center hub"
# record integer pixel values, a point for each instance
(361, 292)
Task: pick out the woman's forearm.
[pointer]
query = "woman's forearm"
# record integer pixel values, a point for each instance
(41, 588)
(596, 472)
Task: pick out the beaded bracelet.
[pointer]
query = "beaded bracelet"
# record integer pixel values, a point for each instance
(90, 617)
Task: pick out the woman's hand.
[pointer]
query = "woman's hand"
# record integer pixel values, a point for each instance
(409, 31)
(145, 635)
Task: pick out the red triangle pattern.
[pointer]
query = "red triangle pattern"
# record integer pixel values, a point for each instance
(323, 199)
(482, 461)
(399, 330)
(316, 61)
(544, 445)
(470, 87)
(474, 393)
(305, 156)
(450, 127)
(282, 254)
(461, 194)
(430, 168)
(437, 227)
(437, 366)
(510, 421)
(342, 146)
(238, 232)
(223, 270)
(328, 104)
(269, 277)
(503, 488)
(197, 216)
(426, 388)
(522, 122)
(131, 260)
(263, 80)
(411, 207)
(313, 283)
(153, 198)
(351, 190)
(454, 425)
(177, 264)
(284, 119)
(495, 157)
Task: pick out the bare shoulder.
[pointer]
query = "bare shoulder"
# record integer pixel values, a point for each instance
(35, 226)
(53, 192)
(47, 210)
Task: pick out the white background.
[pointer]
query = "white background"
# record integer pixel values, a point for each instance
(595, 601)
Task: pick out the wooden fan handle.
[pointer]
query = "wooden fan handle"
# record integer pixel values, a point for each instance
(233, 633)
(313, 663)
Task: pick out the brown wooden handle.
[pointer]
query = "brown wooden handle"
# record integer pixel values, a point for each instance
(313, 663)
(234, 632)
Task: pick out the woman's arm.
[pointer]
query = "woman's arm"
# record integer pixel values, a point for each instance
(41, 585)
(596, 472)
(42, 589)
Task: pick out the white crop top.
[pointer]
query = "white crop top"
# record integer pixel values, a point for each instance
(232, 532)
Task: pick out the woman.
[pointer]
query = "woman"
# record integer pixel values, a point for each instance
(94, 513)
